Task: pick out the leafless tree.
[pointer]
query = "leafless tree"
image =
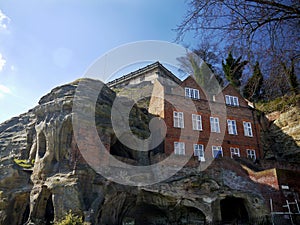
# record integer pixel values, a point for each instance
(260, 29)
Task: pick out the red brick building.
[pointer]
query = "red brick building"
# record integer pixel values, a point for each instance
(223, 125)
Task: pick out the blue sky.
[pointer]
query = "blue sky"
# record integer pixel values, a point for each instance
(48, 43)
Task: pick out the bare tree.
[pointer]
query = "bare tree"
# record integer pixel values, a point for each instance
(249, 20)
(261, 29)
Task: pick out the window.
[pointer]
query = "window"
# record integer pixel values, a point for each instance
(234, 152)
(251, 154)
(232, 127)
(217, 151)
(179, 148)
(214, 124)
(197, 122)
(247, 129)
(192, 93)
(178, 119)
(199, 152)
(231, 100)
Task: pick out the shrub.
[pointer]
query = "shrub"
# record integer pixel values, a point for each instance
(71, 219)
(281, 104)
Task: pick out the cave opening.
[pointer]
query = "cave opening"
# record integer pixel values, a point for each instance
(66, 136)
(233, 210)
(119, 149)
(42, 145)
(145, 214)
(49, 211)
(26, 214)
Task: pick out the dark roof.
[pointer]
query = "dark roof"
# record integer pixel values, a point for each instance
(142, 71)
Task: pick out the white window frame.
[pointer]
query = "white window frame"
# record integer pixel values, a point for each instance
(179, 148)
(231, 100)
(216, 149)
(234, 152)
(232, 128)
(251, 154)
(197, 122)
(214, 124)
(199, 152)
(192, 93)
(178, 119)
(247, 129)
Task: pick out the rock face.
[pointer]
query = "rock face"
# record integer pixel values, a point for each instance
(281, 136)
(61, 180)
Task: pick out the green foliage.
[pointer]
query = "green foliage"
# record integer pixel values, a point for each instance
(279, 104)
(252, 89)
(24, 163)
(71, 219)
(233, 69)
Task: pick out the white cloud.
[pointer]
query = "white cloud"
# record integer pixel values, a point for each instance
(13, 68)
(4, 20)
(2, 62)
(4, 89)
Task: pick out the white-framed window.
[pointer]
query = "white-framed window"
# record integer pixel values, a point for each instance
(179, 148)
(178, 119)
(251, 154)
(217, 151)
(214, 124)
(192, 93)
(232, 129)
(234, 152)
(231, 100)
(247, 129)
(199, 152)
(197, 122)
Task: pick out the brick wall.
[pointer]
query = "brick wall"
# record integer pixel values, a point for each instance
(177, 102)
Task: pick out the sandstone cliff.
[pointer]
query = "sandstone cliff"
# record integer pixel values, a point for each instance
(281, 135)
(60, 180)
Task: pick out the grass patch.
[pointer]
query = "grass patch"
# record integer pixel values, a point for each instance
(24, 163)
(280, 104)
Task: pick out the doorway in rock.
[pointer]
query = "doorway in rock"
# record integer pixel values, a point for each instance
(145, 214)
(49, 211)
(233, 210)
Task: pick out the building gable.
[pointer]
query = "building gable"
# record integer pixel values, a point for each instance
(191, 83)
(229, 90)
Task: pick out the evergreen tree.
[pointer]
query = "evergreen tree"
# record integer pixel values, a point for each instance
(292, 78)
(253, 87)
(233, 70)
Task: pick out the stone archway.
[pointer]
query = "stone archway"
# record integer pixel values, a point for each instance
(233, 210)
